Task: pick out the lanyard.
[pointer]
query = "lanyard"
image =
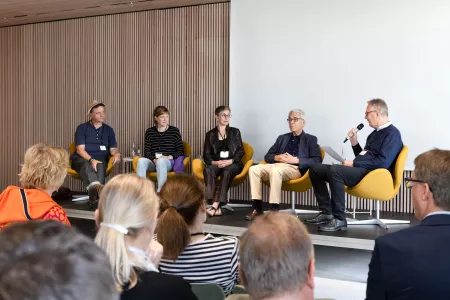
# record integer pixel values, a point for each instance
(222, 136)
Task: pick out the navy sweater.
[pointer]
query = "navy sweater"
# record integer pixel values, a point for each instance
(382, 148)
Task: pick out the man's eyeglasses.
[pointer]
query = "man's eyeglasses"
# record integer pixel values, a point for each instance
(409, 183)
(368, 112)
(295, 120)
(225, 116)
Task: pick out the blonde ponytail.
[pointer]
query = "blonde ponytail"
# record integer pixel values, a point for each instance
(129, 202)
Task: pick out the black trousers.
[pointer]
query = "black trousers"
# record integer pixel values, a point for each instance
(338, 176)
(87, 172)
(227, 174)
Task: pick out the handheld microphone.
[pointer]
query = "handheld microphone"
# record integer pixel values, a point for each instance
(358, 128)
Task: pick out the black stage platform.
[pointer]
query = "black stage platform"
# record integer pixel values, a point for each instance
(234, 223)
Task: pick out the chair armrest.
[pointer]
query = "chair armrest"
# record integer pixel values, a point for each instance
(186, 162)
(71, 172)
(244, 172)
(135, 161)
(197, 168)
(110, 165)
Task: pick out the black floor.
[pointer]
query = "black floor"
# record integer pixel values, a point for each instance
(237, 219)
(371, 232)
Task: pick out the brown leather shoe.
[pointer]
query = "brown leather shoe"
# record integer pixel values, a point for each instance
(251, 216)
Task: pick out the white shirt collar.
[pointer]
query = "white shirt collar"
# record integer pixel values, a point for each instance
(438, 213)
(384, 126)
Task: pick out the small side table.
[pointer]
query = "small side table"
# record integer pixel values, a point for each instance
(127, 165)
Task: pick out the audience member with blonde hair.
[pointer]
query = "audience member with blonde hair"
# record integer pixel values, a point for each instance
(188, 251)
(46, 260)
(43, 172)
(126, 217)
(277, 259)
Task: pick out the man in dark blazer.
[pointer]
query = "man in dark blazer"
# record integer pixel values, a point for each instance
(414, 263)
(289, 158)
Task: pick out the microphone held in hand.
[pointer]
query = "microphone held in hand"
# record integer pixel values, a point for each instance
(358, 128)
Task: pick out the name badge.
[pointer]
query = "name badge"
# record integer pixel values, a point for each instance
(103, 148)
(363, 152)
(158, 155)
(224, 154)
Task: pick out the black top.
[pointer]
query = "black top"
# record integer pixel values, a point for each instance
(212, 148)
(153, 285)
(167, 143)
(222, 146)
(292, 145)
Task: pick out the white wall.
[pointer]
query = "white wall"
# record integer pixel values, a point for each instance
(328, 57)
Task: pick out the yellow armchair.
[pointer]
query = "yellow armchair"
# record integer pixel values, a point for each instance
(380, 185)
(298, 185)
(153, 175)
(74, 174)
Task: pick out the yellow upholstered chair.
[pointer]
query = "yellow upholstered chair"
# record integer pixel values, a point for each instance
(74, 174)
(298, 185)
(153, 175)
(380, 185)
(198, 166)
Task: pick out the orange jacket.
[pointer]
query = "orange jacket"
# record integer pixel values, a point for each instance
(19, 205)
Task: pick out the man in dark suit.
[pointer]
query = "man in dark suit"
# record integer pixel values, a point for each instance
(289, 158)
(414, 263)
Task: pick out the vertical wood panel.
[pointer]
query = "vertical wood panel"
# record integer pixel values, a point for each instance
(49, 72)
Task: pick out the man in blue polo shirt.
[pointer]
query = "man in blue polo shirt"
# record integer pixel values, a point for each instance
(381, 150)
(94, 141)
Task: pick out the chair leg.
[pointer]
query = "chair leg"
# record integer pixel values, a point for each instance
(294, 211)
(354, 212)
(383, 223)
(230, 206)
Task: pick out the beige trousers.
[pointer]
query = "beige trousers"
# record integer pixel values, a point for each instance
(275, 174)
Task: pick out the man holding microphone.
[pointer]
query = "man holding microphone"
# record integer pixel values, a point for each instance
(381, 150)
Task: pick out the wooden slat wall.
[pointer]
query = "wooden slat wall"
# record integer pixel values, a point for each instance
(132, 62)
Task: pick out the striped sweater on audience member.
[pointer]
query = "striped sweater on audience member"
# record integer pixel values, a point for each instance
(211, 260)
(168, 142)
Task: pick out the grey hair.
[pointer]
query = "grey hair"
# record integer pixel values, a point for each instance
(380, 106)
(299, 111)
(276, 252)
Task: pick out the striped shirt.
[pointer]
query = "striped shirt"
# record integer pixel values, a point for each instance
(168, 142)
(211, 260)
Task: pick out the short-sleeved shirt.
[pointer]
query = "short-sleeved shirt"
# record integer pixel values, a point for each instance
(86, 134)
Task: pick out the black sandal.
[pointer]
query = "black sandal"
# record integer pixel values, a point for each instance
(215, 210)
